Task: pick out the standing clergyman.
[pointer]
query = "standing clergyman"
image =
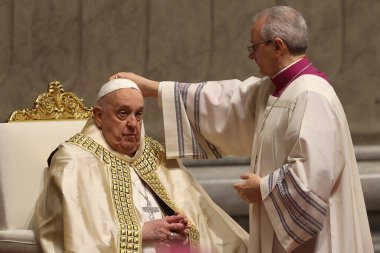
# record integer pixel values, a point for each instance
(304, 188)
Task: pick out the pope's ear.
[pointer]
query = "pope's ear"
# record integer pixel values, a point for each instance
(97, 112)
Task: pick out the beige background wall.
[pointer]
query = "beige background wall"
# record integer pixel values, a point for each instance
(82, 42)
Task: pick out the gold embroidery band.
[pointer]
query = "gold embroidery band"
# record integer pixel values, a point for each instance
(145, 166)
(129, 236)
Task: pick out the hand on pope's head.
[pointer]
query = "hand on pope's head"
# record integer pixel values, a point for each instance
(169, 228)
(249, 188)
(149, 88)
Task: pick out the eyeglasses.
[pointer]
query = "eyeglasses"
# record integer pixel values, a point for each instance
(252, 48)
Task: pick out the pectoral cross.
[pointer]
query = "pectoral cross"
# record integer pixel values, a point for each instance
(150, 209)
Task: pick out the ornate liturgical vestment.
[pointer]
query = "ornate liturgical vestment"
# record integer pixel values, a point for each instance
(90, 201)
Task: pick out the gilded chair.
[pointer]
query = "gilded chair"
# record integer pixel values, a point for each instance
(26, 141)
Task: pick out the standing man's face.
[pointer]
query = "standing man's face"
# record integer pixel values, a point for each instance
(263, 53)
(119, 117)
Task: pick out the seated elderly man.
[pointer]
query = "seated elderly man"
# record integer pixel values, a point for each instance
(110, 189)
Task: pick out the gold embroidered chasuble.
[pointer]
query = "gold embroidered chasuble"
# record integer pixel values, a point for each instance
(145, 166)
(91, 191)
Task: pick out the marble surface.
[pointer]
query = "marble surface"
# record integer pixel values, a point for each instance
(81, 43)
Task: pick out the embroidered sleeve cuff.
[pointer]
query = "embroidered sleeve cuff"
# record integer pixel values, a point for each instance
(296, 213)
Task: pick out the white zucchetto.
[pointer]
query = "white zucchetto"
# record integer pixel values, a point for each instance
(116, 84)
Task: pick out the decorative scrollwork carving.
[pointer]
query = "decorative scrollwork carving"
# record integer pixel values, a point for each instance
(56, 104)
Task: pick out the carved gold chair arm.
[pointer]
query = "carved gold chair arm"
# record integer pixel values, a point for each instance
(55, 104)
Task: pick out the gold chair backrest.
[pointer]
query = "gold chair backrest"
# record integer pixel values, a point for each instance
(55, 104)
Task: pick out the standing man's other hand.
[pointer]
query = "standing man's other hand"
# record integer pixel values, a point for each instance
(249, 188)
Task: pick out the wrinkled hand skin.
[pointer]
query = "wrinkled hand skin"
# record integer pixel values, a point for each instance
(160, 230)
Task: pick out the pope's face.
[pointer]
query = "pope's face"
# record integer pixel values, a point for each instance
(119, 117)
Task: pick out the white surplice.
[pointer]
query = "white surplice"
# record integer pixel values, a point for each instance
(299, 144)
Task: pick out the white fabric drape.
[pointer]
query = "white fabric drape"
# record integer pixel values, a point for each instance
(300, 145)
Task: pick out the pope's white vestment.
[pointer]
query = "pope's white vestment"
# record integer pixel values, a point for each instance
(300, 145)
(90, 203)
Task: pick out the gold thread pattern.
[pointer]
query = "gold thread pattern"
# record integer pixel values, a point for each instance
(146, 166)
(54, 104)
(129, 236)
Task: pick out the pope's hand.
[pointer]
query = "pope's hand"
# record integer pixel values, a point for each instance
(249, 188)
(149, 88)
(174, 227)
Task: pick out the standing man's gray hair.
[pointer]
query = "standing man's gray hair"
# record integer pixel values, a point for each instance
(287, 24)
